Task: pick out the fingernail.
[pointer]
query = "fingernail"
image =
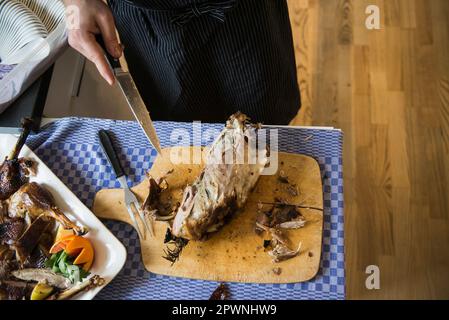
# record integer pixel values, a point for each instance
(118, 50)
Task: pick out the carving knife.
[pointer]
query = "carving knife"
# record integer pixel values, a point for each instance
(132, 95)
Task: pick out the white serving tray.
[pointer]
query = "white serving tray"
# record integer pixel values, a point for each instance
(110, 254)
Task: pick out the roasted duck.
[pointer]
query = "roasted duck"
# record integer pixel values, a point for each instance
(222, 189)
(225, 183)
(29, 269)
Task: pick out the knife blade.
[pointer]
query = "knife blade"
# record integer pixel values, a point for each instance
(133, 98)
(137, 106)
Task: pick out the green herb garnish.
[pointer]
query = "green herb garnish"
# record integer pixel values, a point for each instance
(62, 263)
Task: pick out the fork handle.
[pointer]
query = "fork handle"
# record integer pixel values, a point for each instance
(111, 155)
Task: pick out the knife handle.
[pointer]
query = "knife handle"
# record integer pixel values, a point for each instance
(111, 155)
(113, 62)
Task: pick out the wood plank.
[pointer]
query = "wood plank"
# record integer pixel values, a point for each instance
(388, 90)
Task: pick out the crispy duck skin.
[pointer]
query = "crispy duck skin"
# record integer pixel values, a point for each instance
(11, 230)
(38, 257)
(7, 263)
(35, 200)
(30, 238)
(13, 174)
(14, 171)
(222, 188)
(3, 211)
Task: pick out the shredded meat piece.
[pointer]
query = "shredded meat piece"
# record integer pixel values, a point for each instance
(295, 224)
(282, 216)
(280, 245)
(277, 271)
(221, 293)
(153, 206)
(281, 252)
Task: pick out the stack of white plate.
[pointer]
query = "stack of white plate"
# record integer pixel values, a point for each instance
(24, 25)
(50, 12)
(20, 30)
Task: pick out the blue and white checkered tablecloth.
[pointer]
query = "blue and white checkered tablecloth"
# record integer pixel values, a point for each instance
(70, 148)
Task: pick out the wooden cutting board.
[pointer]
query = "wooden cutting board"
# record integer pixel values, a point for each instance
(236, 252)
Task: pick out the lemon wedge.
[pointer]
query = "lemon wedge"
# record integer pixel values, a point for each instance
(41, 291)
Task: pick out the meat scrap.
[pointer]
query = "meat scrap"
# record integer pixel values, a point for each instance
(281, 252)
(221, 293)
(279, 245)
(152, 206)
(280, 215)
(277, 271)
(282, 177)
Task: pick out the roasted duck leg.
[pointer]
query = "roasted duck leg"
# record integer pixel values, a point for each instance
(225, 183)
(14, 171)
(95, 281)
(34, 200)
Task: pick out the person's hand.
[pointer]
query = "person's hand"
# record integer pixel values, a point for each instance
(94, 18)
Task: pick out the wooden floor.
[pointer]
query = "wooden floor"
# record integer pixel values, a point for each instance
(389, 92)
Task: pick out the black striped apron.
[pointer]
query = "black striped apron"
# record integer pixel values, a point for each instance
(204, 60)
